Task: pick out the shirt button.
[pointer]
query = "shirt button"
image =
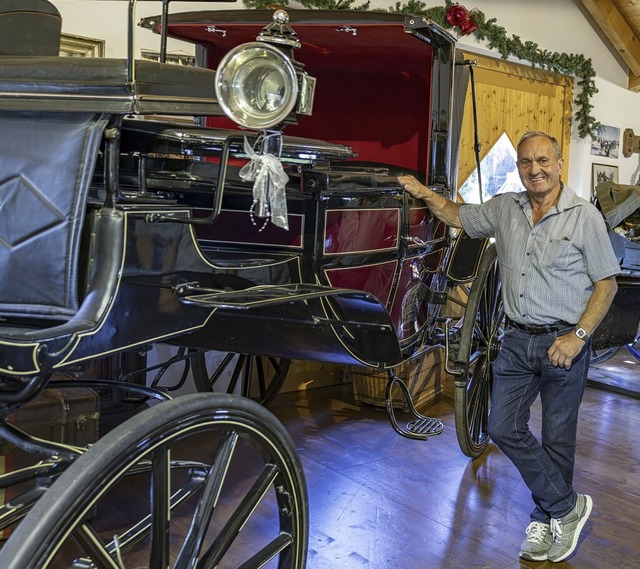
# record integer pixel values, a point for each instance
(523, 274)
(521, 295)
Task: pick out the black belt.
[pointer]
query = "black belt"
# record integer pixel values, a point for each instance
(536, 330)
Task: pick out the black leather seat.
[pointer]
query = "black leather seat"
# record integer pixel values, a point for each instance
(29, 27)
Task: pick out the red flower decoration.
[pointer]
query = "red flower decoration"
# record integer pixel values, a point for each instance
(459, 17)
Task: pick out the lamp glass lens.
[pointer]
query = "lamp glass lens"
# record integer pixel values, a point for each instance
(256, 85)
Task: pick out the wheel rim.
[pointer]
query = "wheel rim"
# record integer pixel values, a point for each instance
(257, 377)
(600, 356)
(244, 505)
(481, 338)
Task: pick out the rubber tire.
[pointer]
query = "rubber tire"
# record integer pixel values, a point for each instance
(480, 340)
(76, 492)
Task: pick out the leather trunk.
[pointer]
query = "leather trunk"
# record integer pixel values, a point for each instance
(69, 415)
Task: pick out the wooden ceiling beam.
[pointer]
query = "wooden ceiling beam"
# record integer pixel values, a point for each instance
(634, 83)
(616, 28)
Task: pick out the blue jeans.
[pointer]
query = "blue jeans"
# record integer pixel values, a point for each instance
(522, 370)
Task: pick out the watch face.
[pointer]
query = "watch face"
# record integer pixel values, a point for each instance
(581, 333)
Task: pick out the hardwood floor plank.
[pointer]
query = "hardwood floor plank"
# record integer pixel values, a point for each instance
(380, 501)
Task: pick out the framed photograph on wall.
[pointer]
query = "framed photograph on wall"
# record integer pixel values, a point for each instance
(603, 173)
(606, 141)
(80, 46)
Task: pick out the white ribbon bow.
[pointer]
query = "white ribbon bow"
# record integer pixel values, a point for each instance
(270, 179)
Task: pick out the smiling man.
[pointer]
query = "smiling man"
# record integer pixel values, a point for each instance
(558, 274)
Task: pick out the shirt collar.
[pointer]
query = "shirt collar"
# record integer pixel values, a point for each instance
(568, 198)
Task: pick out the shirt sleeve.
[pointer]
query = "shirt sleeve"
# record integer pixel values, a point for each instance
(480, 220)
(599, 257)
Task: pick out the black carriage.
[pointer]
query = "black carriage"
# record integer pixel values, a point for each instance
(123, 227)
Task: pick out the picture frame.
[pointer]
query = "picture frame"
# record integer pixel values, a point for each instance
(606, 141)
(174, 58)
(81, 46)
(603, 173)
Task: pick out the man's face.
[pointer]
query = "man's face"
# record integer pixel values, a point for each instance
(538, 166)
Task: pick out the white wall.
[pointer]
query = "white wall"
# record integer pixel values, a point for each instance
(555, 25)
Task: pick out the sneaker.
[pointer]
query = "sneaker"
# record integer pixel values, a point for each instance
(566, 530)
(535, 546)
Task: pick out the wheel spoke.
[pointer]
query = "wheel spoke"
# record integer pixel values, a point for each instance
(278, 545)
(224, 364)
(233, 526)
(93, 545)
(634, 350)
(135, 534)
(237, 371)
(161, 508)
(246, 379)
(204, 510)
(477, 399)
(260, 377)
(235, 481)
(262, 384)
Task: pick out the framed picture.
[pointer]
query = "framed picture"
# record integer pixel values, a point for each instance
(603, 173)
(606, 141)
(175, 57)
(80, 46)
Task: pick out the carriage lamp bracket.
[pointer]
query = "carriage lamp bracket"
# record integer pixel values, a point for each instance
(630, 143)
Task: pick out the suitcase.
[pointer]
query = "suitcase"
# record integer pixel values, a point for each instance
(70, 415)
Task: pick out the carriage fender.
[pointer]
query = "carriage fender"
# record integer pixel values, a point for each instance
(465, 258)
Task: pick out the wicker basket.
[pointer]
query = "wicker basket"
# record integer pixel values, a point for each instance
(423, 377)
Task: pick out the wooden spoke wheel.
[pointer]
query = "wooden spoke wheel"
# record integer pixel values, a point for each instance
(257, 377)
(203, 480)
(480, 340)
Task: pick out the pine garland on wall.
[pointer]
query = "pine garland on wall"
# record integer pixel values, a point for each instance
(456, 17)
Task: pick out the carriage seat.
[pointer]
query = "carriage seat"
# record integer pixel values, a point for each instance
(53, 114)
(47, 161)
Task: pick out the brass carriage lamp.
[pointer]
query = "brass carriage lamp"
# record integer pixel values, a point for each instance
(259, 85)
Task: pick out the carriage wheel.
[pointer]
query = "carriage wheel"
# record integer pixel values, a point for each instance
(634, 349)
(599, 356)
(261, 377)
(203, 480)
(480, 339)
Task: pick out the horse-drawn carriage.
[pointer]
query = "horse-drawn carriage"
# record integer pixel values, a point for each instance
(247, 205)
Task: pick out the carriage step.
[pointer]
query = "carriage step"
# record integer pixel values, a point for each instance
(425, 427)
(421, 428)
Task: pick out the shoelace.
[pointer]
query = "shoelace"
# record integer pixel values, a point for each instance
(537, 531)
(556, 530)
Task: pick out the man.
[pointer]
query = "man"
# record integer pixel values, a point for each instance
(558, 273)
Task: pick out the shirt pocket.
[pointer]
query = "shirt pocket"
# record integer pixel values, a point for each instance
(560, 254)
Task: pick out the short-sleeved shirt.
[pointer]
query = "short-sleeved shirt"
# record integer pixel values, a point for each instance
(547, 270)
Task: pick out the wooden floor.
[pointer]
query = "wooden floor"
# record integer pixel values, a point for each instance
(380, 501)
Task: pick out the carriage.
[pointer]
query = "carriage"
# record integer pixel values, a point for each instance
(247, 205)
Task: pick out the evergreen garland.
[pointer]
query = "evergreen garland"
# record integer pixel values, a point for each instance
(496, 37)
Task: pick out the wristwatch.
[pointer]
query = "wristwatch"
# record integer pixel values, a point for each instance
(582, 334)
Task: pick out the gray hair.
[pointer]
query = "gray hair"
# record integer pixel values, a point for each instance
(532, 133)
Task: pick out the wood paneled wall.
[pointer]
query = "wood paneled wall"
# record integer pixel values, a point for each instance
(512, 99)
